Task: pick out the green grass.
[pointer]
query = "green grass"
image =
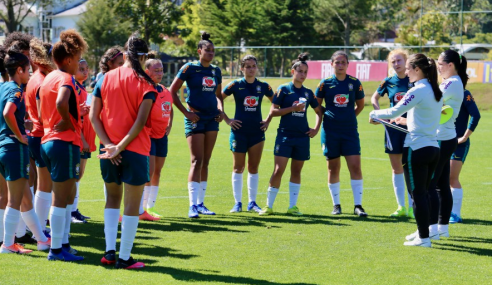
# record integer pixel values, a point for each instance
(247, 249)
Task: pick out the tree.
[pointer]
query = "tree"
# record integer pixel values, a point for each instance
(13, 12)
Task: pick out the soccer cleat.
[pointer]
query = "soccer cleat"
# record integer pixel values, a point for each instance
(145, 216)
(128, 264)
(337, 210)
(267, 211)
(410, 213)
(44, 245)
(193, 213)
(359, 211)
(85, 217)
(443, 234)
(153, 212)
(455, 219)
(77, 218)
(415, 235)
(400, 212)
(238, 207)
(109, 257)
(253, 207)
(294, 211)
(426, 242)
(25, 239)
(69, 249)
(14, 248)
(63, 256)
(204, 210)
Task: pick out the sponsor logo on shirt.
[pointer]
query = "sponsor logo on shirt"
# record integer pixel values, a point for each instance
(447, 85)
(341, 100)
(250, 103)
(166, 109)
(399, 96)
(409, 98)
(298, 114)
(208, 83)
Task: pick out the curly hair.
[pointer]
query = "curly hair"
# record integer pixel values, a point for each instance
(71, 43)
(40, 53)
(22, 41)
(3, 54)
(109, 56)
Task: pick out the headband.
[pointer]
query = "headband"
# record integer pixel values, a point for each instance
(115, 56)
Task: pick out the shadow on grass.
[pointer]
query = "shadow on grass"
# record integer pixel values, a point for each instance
(477, 222)
(464, 248)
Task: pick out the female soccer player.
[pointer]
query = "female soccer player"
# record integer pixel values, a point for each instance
(290, 102)
(14, 159)
(60, 146)
(202, 116)
(464, 129)
(423, 105)
(162, 120)
(119, 123)
(452, 67)
(247, 130)
(344, 100)
(3, 71)
(396, 87)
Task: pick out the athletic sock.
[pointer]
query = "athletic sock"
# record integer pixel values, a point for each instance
(357, 190)
(57, 225)
(2, 216)
(76, 199)
(42, 204)
(11, 219)
(237, 186)
(68, 222)
(193, 188)
(399, 187)
(21, 228)
(457, 200)
(410, 201)
(271, 195)
(201, 192)
(33, 223)
(145, 198)
(141, 208)
(154, 190)
(294, 190)
(335, 192)
(253, 181)
(111, 218)
(129, 227)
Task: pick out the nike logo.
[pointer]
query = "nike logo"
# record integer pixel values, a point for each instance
(241, 88)
(291, 93)
(335, 195)
(198, 70)
(404, 164)
(392, 86)
(457, 157)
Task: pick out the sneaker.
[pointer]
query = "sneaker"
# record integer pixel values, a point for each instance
(426, 242)
(77, 218)
(359, 211)
(253, 207)
(44, 245)
(25, 239)
(455, 219)
(266, 211)
(109, 257)
(410, 213)
(85, 217)
(203, 210)
(15, 248)
(337, 210)
(69, 249)
(294, 211)
(145, 216)
(238, 207)
(128, 264)
(193, 213)
(63, 256)
(415, 235)
(153, 212)
(443, 234)
(400, 212)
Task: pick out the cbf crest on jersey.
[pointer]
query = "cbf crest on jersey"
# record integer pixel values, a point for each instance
(410, 85)
(213, 72)
(351, 87)
(166, 109)
(258, 88)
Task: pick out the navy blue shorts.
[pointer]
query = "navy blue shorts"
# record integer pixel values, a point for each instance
(207, 123)
(241, 142)
(296, 148)
(158, 147)
(62, 159)
(397, 139)
(461, 151)
(85, 155)
(133, 169)
(14, 161)
(339, 143)
(35, 151)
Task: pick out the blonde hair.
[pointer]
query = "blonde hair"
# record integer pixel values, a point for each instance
(398, 51)
(40, 53)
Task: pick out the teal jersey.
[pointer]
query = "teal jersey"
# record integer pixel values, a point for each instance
(201, 83)
(340, 97)
(294, 124)
(248, 98)
(11, 92)
(395, 87)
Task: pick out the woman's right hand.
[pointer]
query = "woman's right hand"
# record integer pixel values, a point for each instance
(299, 107)
(64, 126)
(235, 124)
(192, 116)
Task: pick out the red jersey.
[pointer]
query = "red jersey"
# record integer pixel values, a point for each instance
(161, 112)
(87, 129)
(31, 107)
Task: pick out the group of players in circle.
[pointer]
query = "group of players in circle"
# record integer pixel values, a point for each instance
(47, 117)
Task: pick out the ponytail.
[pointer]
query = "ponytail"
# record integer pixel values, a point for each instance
(14, 60)
(429, 69)
(460, 64)
(135, 48)
(301, 59)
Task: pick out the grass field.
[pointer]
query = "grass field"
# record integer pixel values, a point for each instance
(247, 249)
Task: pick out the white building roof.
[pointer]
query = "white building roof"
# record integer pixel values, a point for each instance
(75, 11)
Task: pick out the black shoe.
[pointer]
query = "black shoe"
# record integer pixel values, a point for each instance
(25, 239)
(109, 257)
(85, 217)
(128, 264)
(77, 218)
(359, 211)
(337, 210)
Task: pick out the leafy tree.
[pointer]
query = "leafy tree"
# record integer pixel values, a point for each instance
(16, 11)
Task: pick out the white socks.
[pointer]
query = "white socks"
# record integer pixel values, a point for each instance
(357, 191)
(145, 198)
(21, 228)
(253, 181)
(237, 186)
(68, 222)
(76, 199)
(129, 226)
(271, 195)
(294, 189)
(399, 187)
(11, 219)
(141, 209)
(2, 215)
(111, 217)
(201, 192)
(57, 224)
(42, 204)
(335, 192)
(457, 200)
(32, 222)
(193, 188)
(154, 190)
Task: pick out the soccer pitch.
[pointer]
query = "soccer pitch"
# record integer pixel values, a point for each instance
(243, 248)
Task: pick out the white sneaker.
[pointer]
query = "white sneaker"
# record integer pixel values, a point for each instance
(419, 242)
(434, 235)
(444, 234)
(413, 236)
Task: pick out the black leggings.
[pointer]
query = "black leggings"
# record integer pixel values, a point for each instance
(441, 199)
(418, 166)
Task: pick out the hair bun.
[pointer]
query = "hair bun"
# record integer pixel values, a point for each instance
(152, 55)
(303, 56)
(205, 36)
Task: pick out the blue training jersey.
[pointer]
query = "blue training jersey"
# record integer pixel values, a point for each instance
(201, 83)
(468, 109)
(395, 87)
(340, 97)
(11, 92)
(294, 124)
(248, 98)
(96, 92)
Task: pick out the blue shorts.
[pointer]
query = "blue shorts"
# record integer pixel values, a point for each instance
(35, 151)
(241, 142)
(14, 161)
(397, 139)
(207, 123)
(461, 151)
(85, 155)
(62, 159)
(339, 143)
(133, 169)
(158, 147)
(296, 147)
